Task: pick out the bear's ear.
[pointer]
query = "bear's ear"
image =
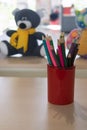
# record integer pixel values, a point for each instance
(41, 12)
(15, 11)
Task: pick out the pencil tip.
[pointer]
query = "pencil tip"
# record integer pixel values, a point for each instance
(43, 37)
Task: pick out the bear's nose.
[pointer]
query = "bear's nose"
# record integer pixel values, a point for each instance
(22, 26)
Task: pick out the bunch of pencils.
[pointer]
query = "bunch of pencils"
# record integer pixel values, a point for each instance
(59, 58)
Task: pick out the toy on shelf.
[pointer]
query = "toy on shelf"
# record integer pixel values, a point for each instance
(24, 40)
(81, 32)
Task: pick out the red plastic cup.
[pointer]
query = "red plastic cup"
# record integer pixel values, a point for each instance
(60, 85)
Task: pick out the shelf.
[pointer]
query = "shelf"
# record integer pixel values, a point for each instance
(23, 66)
(34, 67)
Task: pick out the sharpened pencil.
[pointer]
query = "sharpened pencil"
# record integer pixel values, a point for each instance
(46, 50)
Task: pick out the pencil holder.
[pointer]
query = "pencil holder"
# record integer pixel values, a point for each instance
(60, 85)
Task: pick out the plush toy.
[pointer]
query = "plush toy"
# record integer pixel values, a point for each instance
(81, 32)
(24, 40)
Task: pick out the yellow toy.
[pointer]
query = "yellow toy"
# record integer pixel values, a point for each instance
(81, 32)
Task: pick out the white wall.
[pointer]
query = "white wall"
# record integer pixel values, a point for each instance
(55, 2)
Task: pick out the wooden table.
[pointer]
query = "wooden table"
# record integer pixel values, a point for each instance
(23, 66)
(34, 67)
(24, 106)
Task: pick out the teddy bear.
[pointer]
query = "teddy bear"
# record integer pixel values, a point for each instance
(80, 32)
(25, 39)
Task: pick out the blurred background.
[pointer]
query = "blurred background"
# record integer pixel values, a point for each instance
(49, 11)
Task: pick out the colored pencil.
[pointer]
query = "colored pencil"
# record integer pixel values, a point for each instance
(69, 60)
(59, 58)
(60, 54)
(46, 50)
(62, 43)
(50, 52)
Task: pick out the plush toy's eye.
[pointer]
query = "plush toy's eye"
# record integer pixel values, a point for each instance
(85, 19)
(24, 18)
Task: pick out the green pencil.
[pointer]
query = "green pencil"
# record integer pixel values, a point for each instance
(46, 50)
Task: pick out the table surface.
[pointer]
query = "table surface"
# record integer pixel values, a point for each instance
(34, 67)
(23, 66)
(24, 106)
